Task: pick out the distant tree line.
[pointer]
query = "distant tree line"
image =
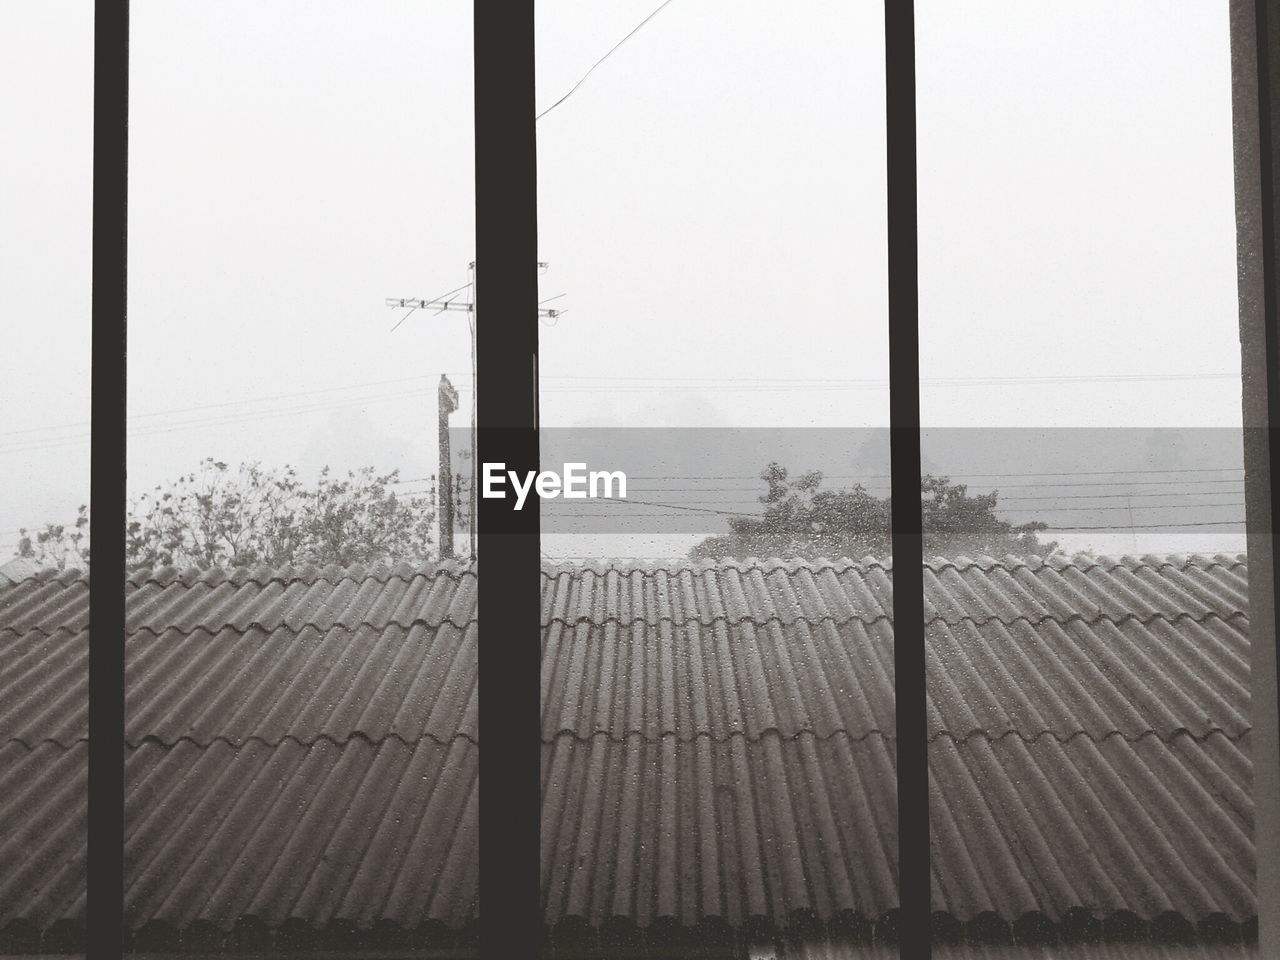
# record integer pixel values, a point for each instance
(800, 519)
(217, 516)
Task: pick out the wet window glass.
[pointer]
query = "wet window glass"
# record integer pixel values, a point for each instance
(302, 752)
(46, 215)
(718, 708)
(1086, 584)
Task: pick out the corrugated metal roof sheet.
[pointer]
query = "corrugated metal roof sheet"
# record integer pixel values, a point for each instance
(356, 832)
(844, 950)
(17, 569)
(717, 744)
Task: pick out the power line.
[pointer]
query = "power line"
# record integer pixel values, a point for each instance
(1117, 496)
(1011, 486)
(1046, 510)
(636, 29)
(1155, 506)
(1151, 526)
(230, 418)
(1047, 378)
(1137, 496)
(884, 476)
(654, 384)
(605, 513)
(780, 384)
(1050, 499)
(747, 388)
(1124, 527)
(227, 403)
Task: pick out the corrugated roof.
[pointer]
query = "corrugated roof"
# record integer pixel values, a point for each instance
(717, 747)
(845, 950)
(17, 569)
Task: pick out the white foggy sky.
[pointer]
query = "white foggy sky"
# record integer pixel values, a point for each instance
(711, 203)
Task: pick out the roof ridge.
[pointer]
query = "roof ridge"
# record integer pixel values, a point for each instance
(337, 741)
(1164, 736)
(32, 745)
(835, 929)
(714, 620)
(772, 731)
(458, 569)
(1081, 561)
(213, 629)
(263, 574)
(238, 742)
(745, 620)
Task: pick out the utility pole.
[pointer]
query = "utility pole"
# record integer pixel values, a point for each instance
(447, 400)
(468, 306)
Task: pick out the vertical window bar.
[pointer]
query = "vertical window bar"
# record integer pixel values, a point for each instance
(1255, 30)
(104, 920)
(508, 543)
(904, 425)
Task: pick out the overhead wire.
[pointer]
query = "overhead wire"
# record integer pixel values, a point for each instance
(230, 418)
(885, 476)
(634, 385)
(226, 403)
(583, 79)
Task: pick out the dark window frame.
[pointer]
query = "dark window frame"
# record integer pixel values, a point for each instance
(506, 232)
(104, 895)
(509, 604)
(1255, 42)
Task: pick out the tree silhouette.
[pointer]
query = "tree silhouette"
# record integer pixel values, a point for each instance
(801, 519)
(217, 516)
